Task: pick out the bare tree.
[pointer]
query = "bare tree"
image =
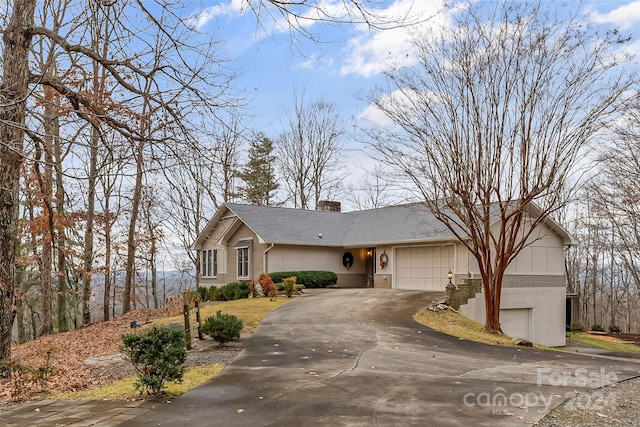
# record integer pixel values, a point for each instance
(310, 151)
(225, 154)
(112, 163)
(191, 198)
(171, 85)
(14, 90)
(611, 231)
(494, 119)
(299, 17)
(373, 190)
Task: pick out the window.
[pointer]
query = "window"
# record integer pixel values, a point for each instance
(209, 264)
(243, 262)
(242, 248)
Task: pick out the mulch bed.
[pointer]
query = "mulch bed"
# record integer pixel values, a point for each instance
(631, 338)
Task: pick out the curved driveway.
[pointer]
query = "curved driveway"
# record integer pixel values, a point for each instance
(355, 357)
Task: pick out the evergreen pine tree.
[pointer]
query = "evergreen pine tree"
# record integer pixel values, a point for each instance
(258, 173)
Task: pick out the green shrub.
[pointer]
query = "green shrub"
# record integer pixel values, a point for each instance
(235, 290)
(310, 279)
(222, 328)
(158, 354)
(214, 293)
(203, 293)
(614, 329)
(597, 328)
(289, 285)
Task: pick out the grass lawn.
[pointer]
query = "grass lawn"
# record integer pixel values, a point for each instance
(125, 388)
(455, 324)
(604, 341)
(250, 310)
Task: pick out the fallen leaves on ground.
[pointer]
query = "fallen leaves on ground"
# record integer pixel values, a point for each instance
(65, 353)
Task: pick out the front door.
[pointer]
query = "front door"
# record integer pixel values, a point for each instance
(371, 266)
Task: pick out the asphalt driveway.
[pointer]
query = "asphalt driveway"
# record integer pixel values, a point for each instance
(355, 357)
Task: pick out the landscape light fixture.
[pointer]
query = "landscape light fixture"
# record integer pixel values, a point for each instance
(450, 276)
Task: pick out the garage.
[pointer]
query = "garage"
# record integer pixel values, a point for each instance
(516, 322)
(423, 268)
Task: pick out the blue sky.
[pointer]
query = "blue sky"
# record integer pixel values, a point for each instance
(345, 67)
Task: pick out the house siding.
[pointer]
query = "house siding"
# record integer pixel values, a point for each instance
(227, 255)
(534, 283)
(547, 307)
(256, 251)
(300, 258)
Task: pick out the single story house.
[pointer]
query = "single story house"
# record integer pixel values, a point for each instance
(402, 247)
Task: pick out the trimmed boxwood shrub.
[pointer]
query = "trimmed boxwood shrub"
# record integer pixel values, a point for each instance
(229, 292)
(214, 293)
(235, 290)
(280, 287)
(289, 285)
(222, 328)
(203, 293)
(310, 279)
(158, 354)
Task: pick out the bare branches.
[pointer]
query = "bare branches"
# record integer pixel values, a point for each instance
(299, 15)
(309, 151)
(496, 117)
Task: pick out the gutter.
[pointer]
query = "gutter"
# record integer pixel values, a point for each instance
(265, 258)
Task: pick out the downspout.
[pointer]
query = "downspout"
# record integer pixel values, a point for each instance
(265, 264)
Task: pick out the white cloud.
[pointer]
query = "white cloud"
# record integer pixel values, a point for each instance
(369, 56)
(374, 116)
(372, 53)
(405, 102)
(315, 62)
(202, 18)
(399, 99)
(625, 17)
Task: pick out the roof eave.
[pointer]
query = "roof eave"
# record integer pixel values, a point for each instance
(210, 225)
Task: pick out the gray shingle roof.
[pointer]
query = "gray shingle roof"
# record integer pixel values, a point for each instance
(394, 224)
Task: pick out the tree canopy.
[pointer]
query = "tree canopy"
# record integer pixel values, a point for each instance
(496, 117)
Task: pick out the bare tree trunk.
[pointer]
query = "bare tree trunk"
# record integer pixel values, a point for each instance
(91, 203)
(44, 156)
(131, 240)
(20, 280)
(61, 236)
(154, 272)
(107, 256)
(594, 288)
(46, 259)
(99, 32)
(13, 94)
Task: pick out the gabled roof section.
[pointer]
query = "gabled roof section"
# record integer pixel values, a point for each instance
(403, 224)
(567, 238)
(394, 224)
(293, 226)
(206, 231)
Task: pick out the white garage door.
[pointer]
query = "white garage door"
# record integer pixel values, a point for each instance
(423, 268)
(516, 322)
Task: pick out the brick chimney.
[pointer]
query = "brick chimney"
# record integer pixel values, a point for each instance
(328, 205)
